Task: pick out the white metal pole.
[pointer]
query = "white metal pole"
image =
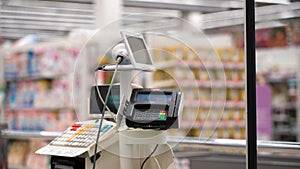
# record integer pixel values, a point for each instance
(126, 150)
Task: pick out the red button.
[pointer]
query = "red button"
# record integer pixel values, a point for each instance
(76, 125)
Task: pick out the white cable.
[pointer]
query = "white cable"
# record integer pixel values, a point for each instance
(157, 163)
(99, 95)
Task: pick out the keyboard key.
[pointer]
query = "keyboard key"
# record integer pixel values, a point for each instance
(82, 134)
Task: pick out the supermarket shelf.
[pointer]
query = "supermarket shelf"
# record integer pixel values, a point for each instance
(281, 80)
(25, 135)
(49, 44)
(212, 84)
(215, 104)
(199, 64)
(38, 108)
(35, 77)
(202, 6)
(18, 167)
(272, 146)
(198, 83)
(284, 107)
(263, 146)
(281, 120)
(165, 83)
(284, 131)
(187, 124)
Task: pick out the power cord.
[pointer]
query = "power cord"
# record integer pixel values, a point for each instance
(148, 157)
(119, 59)
(101, 99)
(157, 163)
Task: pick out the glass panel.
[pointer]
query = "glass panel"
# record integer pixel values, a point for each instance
(277, 39)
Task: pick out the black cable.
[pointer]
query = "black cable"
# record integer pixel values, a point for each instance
(103, 111)
(148, 157)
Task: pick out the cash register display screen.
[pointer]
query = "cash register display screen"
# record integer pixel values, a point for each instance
(113, 99)
(139, 50)
(154, 97)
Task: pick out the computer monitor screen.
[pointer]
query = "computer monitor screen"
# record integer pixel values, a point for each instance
(113, 102)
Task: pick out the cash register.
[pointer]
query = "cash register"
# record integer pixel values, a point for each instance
(146, 114)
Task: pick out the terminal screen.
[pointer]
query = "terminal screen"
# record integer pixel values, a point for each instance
(154, 97)
(139, 50)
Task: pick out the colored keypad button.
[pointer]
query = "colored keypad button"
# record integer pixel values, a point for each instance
(162, 115)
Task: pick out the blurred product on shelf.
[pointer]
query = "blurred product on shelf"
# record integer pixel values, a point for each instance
(39, 93)
(17, 153)
(39, 88)
(280, 75)
(103, 77)
(282, 81)
(2, 97)
(39, 119)
(277, 68)
(28, 39)
(38, 84)
(40, 62)
(21, 155)
(183, 163)
(213, 87)
(276, 37)
(284, 109)
(294, 30)
(34, 160)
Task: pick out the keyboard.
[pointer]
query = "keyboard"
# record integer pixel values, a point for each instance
(84, 134)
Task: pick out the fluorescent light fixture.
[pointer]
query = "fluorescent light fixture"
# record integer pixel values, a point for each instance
(274, 1)
(271, 1)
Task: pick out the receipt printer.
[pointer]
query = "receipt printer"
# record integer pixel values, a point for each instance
(153, 108)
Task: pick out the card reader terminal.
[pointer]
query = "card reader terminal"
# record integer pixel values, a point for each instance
(153, 108)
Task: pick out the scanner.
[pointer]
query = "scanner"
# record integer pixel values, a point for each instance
(153, 108)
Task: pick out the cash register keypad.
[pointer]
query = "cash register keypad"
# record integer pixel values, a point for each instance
(150, 115)
(82, 134)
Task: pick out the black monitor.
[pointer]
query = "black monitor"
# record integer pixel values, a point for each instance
(113, 102)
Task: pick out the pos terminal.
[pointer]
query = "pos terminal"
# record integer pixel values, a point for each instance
(146, 113)
(153, 108)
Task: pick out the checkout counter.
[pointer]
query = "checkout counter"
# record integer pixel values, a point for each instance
(212, 154)
(215, 154)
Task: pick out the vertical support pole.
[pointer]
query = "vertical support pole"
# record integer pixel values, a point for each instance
(125, 83)
(107, 11)
(250, 84)
(107, 18)
(126, 150)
